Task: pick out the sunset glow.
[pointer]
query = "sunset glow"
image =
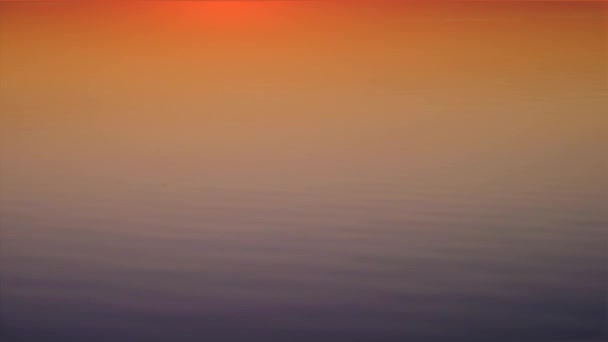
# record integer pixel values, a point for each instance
(228, 13)
(302, 171)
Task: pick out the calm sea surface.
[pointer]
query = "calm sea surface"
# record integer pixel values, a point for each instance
(298, 171)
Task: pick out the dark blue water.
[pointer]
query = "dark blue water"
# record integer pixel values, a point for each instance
(143, 253)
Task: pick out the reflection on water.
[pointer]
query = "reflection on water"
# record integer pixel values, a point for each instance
(349, 174)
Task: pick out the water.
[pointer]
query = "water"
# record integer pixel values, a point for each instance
(360, 174)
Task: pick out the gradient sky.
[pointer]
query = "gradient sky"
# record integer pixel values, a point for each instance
(467, 138)
(466, 66)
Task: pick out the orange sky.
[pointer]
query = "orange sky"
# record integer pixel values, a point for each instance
(196, 78)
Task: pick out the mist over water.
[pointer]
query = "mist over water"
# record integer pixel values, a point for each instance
(308, 172)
